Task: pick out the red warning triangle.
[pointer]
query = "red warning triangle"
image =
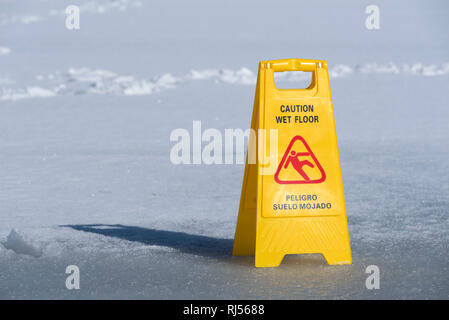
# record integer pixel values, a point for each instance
(299, 165)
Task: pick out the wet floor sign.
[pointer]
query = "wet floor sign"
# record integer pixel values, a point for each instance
(292, 199)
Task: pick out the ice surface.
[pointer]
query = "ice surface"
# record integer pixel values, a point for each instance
(84, 147)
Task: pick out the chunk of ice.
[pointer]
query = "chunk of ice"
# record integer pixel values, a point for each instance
(17, 243)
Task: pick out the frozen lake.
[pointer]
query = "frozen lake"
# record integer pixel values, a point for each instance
(85, 123)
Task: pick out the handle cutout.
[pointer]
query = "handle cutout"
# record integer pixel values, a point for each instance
(293, 80)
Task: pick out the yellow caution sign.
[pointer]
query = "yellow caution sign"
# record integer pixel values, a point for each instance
(292, 198)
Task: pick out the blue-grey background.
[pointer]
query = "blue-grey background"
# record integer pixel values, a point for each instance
(85, 121)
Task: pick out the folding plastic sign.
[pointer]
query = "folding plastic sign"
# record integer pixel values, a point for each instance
(299, 207)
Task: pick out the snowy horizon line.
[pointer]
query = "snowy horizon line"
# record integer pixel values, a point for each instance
(79, 81)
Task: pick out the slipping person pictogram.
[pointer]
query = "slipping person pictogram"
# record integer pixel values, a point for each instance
(306, 167)
(298, 164)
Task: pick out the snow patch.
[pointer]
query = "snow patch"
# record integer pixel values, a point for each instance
(22, 19)
(107, 82)
(291, 76)
(412, 69)
(20, 245)
(29, 92)
(241, 76)
(102, 6)
(379, 68)
(5, 80)
(429, 71)
(4, 51)
(94, 7)
(340, 71)
(88, 75)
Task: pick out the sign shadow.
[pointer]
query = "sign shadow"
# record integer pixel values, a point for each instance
(184, 242)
